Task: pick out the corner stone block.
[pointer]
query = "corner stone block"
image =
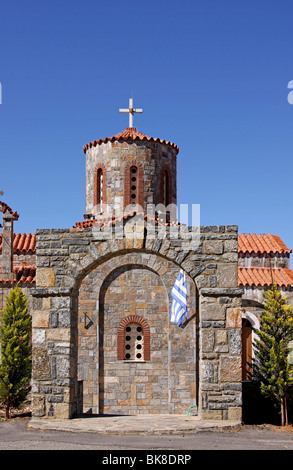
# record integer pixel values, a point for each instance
(230, 369)
(235, 414)
(61, 410)
(210, 309)
(234, 317)
(228, 275)
(214, 247)
(38, 406)
(45, 277)
(40, 319)
(213, 415)
(207, 372)
(207, 340)
(38, 335)
(41, 365)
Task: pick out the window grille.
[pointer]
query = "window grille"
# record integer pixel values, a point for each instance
(133, 342)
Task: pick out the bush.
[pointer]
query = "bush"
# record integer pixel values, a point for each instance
(15, 362)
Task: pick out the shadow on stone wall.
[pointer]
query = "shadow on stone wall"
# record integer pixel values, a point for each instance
(257, 409)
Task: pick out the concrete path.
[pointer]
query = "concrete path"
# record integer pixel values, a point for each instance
(140, 424)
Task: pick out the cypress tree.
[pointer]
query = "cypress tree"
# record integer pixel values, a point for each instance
(271, 365)
(15, 362)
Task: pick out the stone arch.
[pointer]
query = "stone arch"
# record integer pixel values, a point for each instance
(153, 261)
(98, 255)
(166, 339)
(252, 318)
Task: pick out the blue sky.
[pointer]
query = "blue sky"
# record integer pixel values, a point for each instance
(210, 75)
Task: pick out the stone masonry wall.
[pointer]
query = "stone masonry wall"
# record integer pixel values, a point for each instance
(129, 285)
(66, 257)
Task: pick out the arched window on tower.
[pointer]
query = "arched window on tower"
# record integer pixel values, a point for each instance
(133, 185)
(100, 186)
(165, 193)
(166, 188)
(99, 189)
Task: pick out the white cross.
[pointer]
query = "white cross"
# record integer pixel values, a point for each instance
(131, 111)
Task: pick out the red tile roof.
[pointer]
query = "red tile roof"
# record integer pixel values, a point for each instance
(266, 243)
(22, 274)
(130, 133)
(22, 243)
(265, 276)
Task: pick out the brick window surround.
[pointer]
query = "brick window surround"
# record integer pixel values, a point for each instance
(128, 183)
(100, 169)
(139, 321)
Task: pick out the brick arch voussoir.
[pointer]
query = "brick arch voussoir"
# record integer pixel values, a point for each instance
(133, 162)
(146, 333)
(133, 319)
(100, 166)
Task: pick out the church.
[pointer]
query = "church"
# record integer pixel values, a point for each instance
(100, 293)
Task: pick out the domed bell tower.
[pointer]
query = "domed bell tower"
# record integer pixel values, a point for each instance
(128, 172)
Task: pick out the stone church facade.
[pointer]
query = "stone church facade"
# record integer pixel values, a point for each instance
(102, 339)
(100, 296)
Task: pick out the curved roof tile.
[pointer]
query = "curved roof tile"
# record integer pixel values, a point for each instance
(22, 243)
(265, 243)
(265, 276)
(22, 274)
(130, 133)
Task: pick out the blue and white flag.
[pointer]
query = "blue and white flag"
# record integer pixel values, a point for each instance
(179, 304)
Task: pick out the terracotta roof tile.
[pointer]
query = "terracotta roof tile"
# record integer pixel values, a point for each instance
(22, 274)
(22, 243)
(265, 276)
(265, 243)
(130, 133)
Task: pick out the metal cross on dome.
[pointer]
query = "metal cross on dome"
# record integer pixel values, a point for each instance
(131, 111)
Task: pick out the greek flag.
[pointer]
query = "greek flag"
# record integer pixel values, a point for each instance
(179, 304)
